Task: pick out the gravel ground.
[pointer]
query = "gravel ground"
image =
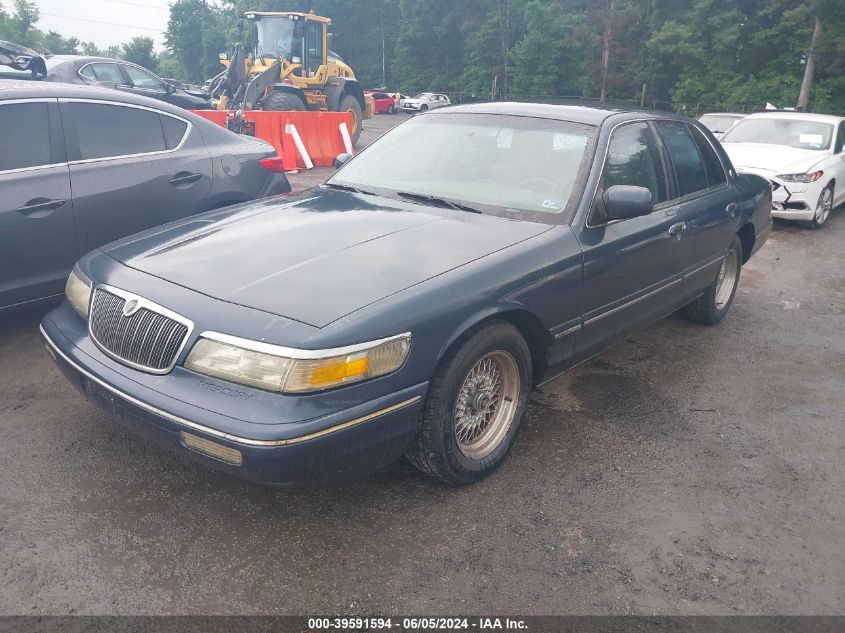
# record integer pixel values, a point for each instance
(690, 470)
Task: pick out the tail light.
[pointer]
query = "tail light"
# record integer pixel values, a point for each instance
(273, 164)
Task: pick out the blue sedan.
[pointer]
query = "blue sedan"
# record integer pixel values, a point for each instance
(410, 309)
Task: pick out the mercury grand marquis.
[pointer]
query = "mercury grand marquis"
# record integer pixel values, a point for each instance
(410, 308)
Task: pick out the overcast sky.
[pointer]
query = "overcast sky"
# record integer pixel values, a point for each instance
(105, 22)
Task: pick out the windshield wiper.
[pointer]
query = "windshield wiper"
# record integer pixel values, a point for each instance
(348, 188)
(439, 202)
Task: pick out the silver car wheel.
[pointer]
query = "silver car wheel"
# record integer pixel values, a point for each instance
(486, 404)
(727, 279)
(824, 206)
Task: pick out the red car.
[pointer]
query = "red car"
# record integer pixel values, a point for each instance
(385, 103)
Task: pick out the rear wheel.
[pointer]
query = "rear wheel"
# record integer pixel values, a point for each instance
(391, 109)
(712, 306)
(280, 100)
(823, 208)
(348, 103)
(475, 406)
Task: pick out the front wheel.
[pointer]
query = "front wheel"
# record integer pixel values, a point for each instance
(282, 101)
(712, 306)
(475, 405)
(823, 208)
(350, 104)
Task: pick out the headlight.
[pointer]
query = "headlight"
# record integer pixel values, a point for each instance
(78, 291)
(288, 370)
(811, 177)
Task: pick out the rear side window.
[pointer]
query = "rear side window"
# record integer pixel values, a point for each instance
(105, 72)
(634, 159)
(715, 171)
(174, 130)
(684, 155)
(24, 135)
(104, 130)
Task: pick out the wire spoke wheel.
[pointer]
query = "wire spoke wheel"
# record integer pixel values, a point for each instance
(726, 280)
(486, 404)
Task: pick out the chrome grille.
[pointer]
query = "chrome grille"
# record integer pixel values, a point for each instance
(146, 339)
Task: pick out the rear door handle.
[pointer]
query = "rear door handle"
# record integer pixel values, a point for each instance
(184, 178)
(676, 230)
(731, 209)
(40, 207)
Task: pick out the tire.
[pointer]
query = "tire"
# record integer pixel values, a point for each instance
(423, 108)
(282, 101)
(391, 109)
(823, 208)
(348, 103)
(459, 397)
(713, 305)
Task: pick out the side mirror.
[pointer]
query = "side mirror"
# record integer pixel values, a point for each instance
(622, 202)
(342, 159)
(169, 88)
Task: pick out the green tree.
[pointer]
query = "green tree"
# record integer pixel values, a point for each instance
(139, 50)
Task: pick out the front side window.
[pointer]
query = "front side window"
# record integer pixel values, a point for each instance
(144, 80)
(634, 159)
(786, 130)
(840, 139)
(683, 153)
(503, 165)
(24, 135)
(104, 130)
(315, 47)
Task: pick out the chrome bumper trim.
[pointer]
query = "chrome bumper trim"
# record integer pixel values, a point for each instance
(220, 434)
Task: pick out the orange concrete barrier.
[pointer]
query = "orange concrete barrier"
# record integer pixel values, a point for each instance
(319, 131)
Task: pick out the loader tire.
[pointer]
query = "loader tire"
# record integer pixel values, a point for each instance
(348, 103)
(281, 101)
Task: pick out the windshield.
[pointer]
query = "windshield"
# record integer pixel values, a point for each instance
(275, 37)
(423, 95)
(791, 132)
(503, 165)
(718, 123)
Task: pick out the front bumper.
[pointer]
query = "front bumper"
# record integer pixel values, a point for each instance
(336, 447)
(790, 200)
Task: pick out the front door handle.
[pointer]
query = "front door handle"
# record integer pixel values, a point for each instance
(731, 209)
(184, 178)
(40, 207)
(676, 230)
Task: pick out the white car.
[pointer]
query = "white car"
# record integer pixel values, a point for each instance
(720, 122)
(425, 101)
(801, 154)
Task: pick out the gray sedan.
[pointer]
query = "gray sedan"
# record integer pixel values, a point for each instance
(84, 166)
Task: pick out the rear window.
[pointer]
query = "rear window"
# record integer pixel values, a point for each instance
(24, 135)
(104, 130)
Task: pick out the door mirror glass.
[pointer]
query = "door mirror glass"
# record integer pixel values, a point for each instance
(342, 159)
(622, 202)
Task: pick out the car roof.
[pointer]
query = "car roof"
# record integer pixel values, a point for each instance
(739, 114)
(801, 116)
(592, 114)
(17, 89)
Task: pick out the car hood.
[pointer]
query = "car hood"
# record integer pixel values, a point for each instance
(320, 256)
(775, 158)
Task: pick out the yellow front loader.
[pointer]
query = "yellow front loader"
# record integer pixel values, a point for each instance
(291, 67)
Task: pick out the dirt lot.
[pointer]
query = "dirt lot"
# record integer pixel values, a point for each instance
(691, 470)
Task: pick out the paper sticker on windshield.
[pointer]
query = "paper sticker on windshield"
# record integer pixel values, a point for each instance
(810, 139)
(551, 204)
(504, 140)
(562, 141)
